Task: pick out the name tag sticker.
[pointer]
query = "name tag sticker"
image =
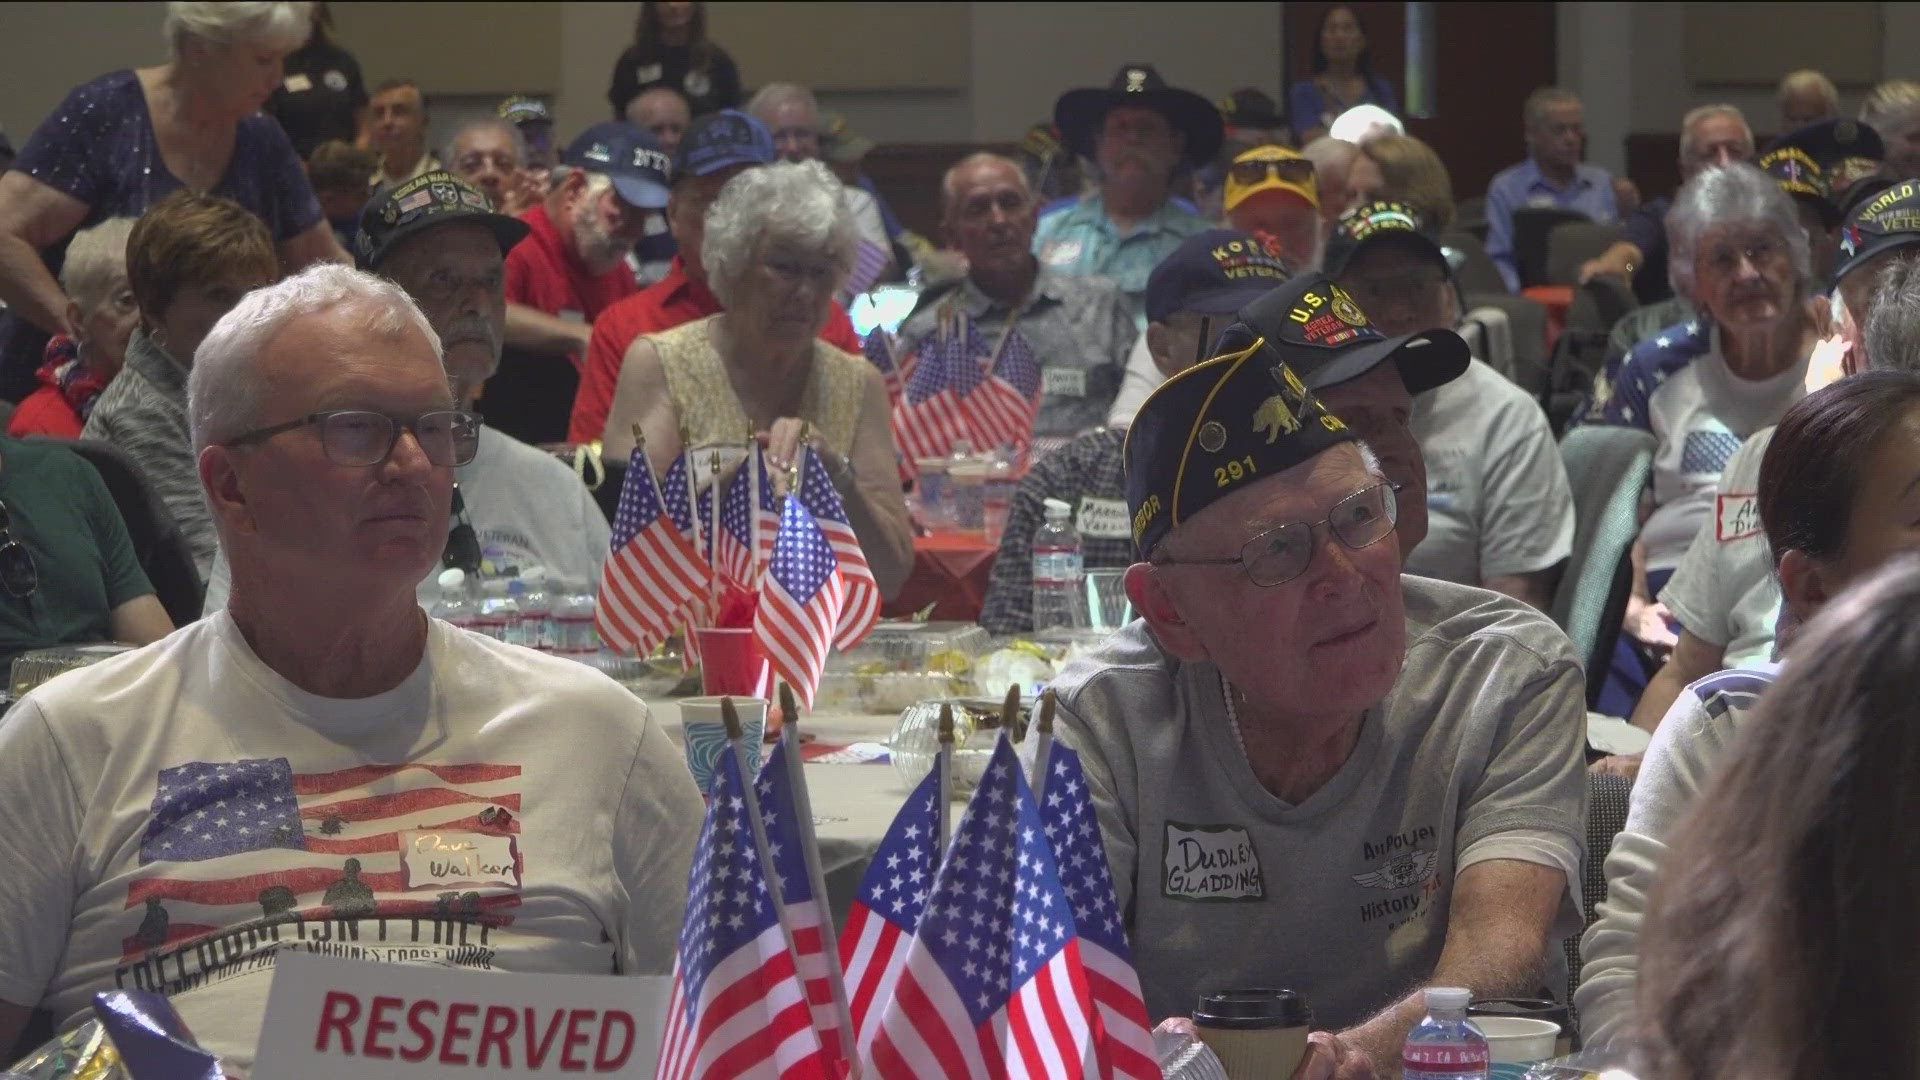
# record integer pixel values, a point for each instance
(1736, 517)
(1103, 519)
(298, 83)
(433, 859)
(1065, 381)
(1061, 253)
(1210, 863)
(572, 316)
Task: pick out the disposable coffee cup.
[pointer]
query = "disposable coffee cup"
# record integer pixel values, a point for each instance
(705, 735)
(1258, 1033)
(1537, 1008)
(1516, 1043)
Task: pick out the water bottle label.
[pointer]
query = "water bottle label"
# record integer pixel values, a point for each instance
(1424, 1061)
(1056, 567)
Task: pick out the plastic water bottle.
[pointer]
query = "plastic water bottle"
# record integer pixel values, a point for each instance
(1056, 572)
(536, 610)
(520, 630)
(1446, 1045)
(573, 609)
(497, 609)
(453, 605)
(998, 496)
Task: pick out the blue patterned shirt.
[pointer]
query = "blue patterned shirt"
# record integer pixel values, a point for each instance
(1081, 239)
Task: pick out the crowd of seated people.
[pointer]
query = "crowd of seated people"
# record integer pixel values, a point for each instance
(1345, 653)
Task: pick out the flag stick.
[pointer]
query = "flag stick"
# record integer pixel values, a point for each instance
(737, 743)
(944, 762)
(754, 480)
(816, 877)
(1043, 749)
(1010, 720)
(713, 489)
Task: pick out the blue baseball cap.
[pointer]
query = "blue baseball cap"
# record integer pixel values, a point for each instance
(722, 140)
(640, 168)
(1216, 272)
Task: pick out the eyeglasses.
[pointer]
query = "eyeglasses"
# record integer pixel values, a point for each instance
(1762, 252)
(1292, 170)
(18, 575)
(357, 438)
(1277, 556)
(444, 285)
(463, 544)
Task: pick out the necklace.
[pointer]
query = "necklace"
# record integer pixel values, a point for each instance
(1233, 717)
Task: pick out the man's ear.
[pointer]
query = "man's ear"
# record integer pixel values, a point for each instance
(1152, 601)
(1805, 584)
(226, 495)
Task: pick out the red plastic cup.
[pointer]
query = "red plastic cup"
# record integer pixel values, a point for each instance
(730, 662)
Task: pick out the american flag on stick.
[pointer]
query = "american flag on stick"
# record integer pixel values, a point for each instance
(806, 913)
(929, 419)
(879, 351)
(653, 573)
(801, 597)
(1001, 411)
(861, 610)
(886, 910)
(869, 262)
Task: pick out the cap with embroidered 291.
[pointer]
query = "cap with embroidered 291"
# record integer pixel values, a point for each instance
(1216, 272)
(1214, 428)
(631, 157)
(1889, 220)
(428, 200)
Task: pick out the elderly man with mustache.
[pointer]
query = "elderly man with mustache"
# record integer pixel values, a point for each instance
(445, 248)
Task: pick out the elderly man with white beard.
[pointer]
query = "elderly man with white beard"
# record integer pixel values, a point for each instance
(514, 506)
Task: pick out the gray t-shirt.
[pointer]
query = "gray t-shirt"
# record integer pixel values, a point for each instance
(1498, 502)
(1725, 592)
(1476, 754)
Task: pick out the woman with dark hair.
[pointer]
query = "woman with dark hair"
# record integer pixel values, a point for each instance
(670, 48)
(321, 95)
(1781, 946)
(1839, 497)
(1343, 77)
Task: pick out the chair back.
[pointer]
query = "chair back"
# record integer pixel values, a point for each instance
(1470, 216)
(1608, 468)
(1571, 244)
(1531, 225)
(1527, 330)
(1474, 271)
(157, 540)
(1608, 798)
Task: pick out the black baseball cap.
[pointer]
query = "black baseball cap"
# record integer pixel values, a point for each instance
(1376, 221)
(1889, 220)
(1800, 176)
(1318, 331)
(430, 199)
(640, 169)
(1216, 272)
(721, 140)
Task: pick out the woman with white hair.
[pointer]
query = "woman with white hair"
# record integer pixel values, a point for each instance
(779, 243)
(103, 313)
(1702, 386)
(119, 143)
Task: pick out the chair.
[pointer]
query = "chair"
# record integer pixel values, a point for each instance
(1531, 226)
(1608, 798)
(1608, 468)
(1474, 271)
(1470, 216)
(1582, 350)
(1527, 325)
(157, 540)
(1571, 244)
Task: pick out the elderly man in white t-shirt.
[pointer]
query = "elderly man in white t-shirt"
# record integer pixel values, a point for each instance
(264, 779)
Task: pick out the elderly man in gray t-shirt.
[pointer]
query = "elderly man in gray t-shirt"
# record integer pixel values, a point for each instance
(1310, 771)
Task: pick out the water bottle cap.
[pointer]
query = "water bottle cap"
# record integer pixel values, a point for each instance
(1259, 1007)
(452, 578)
(534, 576)
(517, 587)
(1448, 997)
(1058, 508)
(494, 586)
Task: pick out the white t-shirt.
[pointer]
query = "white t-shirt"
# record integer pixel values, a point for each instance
(1498, 501)
(527, 508)
(1725, 591)
(174, 816)
(1143, 377)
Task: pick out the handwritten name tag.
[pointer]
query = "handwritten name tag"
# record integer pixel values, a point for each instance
(1103, 519)
(1736, 517)
(1064, 381)
(435, 859)
(1210, 862)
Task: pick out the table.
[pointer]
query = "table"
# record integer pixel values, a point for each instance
(950, 572)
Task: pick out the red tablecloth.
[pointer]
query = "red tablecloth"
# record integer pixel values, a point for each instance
(950, 571)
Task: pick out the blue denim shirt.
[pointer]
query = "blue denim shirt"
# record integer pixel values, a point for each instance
(1523, 185)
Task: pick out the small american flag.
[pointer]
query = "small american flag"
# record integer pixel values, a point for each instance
(929, 418)
(805, 912)
(1002, 410)
(1123, 1040)
(653, 573)
(734, 556)
(886, 910)
(992, 985)
(862, 607)
(878, 349)
(800, 601)
(738, 1008)
(318, 845)
(869, 262)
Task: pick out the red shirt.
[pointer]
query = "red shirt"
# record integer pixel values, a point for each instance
(540, 274)
(45, 412)
(669, 302)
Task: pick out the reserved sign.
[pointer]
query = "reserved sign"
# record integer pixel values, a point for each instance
(328, 1017)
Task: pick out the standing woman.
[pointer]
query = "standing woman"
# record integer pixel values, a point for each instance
(670, 48)
(117, 144)
(322, 96)
(1342, 77)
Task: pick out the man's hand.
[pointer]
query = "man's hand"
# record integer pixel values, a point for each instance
(1330, 1057)
(1647, 623)
(1619, 261)
(524, 190)
(1627, 765)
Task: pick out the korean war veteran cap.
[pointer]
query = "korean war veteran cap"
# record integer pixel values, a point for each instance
(427, 200)
(1321, 333)
(1216, 272)
(1214, 428)
(639, 168)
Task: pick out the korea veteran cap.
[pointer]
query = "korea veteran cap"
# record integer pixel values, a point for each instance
(1374, 222)
(1214, 428)
(1312, 325)
(1216, 272)
(427, 200)
(1889, 220)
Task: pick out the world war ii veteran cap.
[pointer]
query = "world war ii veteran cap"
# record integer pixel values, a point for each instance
(1889, 220)
(1213, 428)
(430, 199)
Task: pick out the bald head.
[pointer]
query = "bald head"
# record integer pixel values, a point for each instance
(990, 215)
(975, 165)
(663, 113)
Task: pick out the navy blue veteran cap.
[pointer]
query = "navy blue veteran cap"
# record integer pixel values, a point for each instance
(1831, 142)
(1214, 428)
(640, 169)
(1216, 272)
(1375, 221)
(721, 140)
(1312, 325)
(1801, 177)
(430, 199)
(1887, 221)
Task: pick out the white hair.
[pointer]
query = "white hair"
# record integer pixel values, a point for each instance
(797, 201)
(224, 387)
(276, 22)
(1892, 334)
(1889, 103)
(1697, 116)
(1737, 194)
(96, 261)
(775, 94)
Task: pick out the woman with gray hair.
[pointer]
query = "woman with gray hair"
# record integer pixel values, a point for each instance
(1702, 386)
(116, 145)
(779, 243)
(103, 314)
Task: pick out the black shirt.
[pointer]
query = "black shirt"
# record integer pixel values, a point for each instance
(318, 96)
(1646, 229)
(717, 87)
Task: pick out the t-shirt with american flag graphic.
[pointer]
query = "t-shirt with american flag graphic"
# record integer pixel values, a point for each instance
(177, 815)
